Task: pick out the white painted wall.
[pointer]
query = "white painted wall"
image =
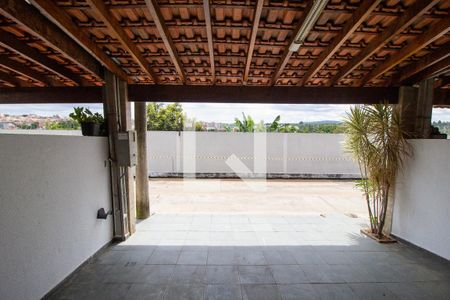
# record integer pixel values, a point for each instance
(287, 153)
(50, 190)
(422, 198)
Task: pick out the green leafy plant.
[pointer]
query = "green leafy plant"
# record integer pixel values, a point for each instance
(376, 139)
(275, 125)
(165, 117)
(85, 115)
(246, 125)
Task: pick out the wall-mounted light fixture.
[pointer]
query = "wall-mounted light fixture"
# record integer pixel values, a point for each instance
(314, 13)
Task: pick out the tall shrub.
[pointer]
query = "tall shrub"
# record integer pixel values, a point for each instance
(376, 139)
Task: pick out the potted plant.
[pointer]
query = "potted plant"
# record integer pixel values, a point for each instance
(376, 139)
(92, 124)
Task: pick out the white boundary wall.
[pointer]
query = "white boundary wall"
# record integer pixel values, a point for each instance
(422, 198)
(288, 154)
(50, 190)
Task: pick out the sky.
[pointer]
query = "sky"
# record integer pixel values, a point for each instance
(224, 113)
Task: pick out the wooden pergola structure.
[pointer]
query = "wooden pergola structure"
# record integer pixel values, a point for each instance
(116, 51)
(353, 44)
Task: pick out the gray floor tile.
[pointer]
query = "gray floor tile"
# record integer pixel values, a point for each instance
(373, 291)
(185, 292)
(436, 290)
(250, 257)
(158, 274)
(288, 274)
(255, 275)
(408, 290)
(297, 291)
(146, 291)
(221, 257)
(222, 274)
(111, 258)
(193, 257)
(336, 257)
(308, 258)
(164, 257)
(223, 292)
(92, 291)
(324, 273)
(336, 263)
(334, 291)
(260, 292)
(189, 275)
(126, 274)
(279, 257)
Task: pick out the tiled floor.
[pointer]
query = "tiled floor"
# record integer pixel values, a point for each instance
(258, 257)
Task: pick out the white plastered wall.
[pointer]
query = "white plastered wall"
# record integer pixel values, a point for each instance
(422, 198)
(50, 190)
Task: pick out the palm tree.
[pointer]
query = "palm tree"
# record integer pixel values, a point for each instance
(376, 138)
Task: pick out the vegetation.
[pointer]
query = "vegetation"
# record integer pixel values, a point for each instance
(246, 125)
(444, 127)
(375, 137)
(84, 115)
(165, 117)
(28, 126)
(62, 125)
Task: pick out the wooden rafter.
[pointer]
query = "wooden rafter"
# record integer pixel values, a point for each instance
(11, 80)
(11, 41)
(35, 23)
(409, 17)
(60, 18)
(361, 13)
(24, 70)
(437, 69)
(158, 19)
(207, 11)
(423, 63)
(287, 53)
(110, 21)
(436, 31)
(251, 46)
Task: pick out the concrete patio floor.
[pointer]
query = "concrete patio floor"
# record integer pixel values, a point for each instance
(255, 256)
(231, 196)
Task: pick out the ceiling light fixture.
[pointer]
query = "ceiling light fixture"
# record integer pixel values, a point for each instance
(316, 10)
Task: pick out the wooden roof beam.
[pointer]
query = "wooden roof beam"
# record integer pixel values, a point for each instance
(361, 13)
(251, 46)
(98, 6)
(24, 70)
(436, 31)
(287, 53)
(207, 11)
(152, 6)
(10, 80)
(439, 68)
(423, 63)
(36, 24)
(79, 35)
(12, 42)
(414, 12)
